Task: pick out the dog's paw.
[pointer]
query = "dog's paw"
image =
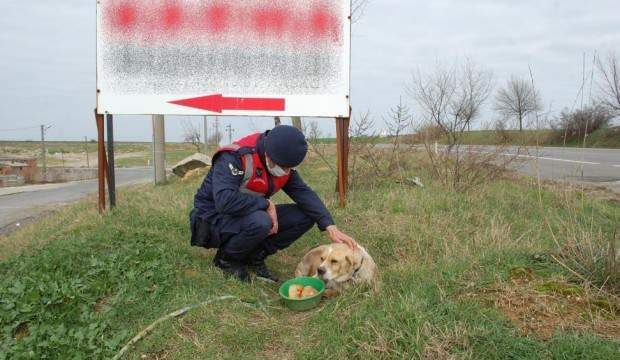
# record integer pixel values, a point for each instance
(329, 293)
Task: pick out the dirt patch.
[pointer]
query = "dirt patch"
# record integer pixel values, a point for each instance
(564, 187)
(101, 304)
(21, 331)
(192, 174)
(543, 307)
(191, 273)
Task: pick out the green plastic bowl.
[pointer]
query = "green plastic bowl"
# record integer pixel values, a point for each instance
(305, 303)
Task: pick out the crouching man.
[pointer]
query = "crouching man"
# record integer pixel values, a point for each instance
(232, 211)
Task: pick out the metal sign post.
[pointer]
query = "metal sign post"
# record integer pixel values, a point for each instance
(342, 149)
(111, 174)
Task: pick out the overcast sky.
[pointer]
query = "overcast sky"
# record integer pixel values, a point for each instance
(47, 57)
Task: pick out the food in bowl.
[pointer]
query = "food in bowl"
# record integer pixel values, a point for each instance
(308, 291)
(294, 291)
(301, 292)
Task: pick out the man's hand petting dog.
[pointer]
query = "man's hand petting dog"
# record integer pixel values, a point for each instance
(271, 211)
(339, 237)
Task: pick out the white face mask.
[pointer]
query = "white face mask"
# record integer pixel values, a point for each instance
(276, 170)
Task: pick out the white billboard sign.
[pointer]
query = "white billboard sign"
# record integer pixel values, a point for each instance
(223, 57)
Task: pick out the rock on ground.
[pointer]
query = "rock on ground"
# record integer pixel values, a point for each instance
(192, 162)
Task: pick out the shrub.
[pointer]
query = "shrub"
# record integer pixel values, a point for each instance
(582, 122)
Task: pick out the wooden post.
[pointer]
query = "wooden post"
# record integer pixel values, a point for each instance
(342, 148)
(111, 177)
(101, 161)
(296, 121)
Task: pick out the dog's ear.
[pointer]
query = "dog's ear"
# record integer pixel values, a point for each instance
(351, 261)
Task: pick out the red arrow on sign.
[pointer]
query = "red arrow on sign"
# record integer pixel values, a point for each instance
(217, 103)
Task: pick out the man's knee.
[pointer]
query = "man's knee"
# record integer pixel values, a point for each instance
(301, 219)
(292, 218)
(258, 222)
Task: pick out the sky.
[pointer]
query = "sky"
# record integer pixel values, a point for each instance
(47, 59)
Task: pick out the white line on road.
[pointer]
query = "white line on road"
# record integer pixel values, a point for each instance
(571, 161)
(618, 166)
(541, 157)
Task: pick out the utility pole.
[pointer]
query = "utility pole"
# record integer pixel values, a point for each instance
(159, 151)
(86, 149)
(217, 132)
(205, 136)
(43, 150)
(230, 130)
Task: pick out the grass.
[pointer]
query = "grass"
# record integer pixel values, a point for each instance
(53, 147)
(79, 285)
(602, 138)
(128, 154)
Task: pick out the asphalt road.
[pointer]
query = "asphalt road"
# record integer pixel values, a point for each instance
(16, 208)
(599, 167)
(578, 165)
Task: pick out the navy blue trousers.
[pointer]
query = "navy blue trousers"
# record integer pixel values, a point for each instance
(242, 236)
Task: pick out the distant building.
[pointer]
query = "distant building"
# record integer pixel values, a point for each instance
(16, 170)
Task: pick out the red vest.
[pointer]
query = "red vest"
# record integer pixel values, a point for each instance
(255, 174)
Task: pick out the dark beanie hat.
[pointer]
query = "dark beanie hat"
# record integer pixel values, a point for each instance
(286, 145)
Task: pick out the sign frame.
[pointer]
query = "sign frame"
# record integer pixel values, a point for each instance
(320, 106)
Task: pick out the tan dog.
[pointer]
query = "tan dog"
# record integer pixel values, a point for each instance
(339, 267)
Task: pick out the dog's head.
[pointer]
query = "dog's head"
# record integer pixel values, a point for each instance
(338, 263)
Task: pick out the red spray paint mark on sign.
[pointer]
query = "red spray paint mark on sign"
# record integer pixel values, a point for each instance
(270, 20)
(172, 16)
(324, 24)
(217, 17)
(123, 16)
(166, 21)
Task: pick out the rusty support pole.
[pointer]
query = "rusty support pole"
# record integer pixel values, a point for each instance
(110, 165)
(342, 149)
(101, 161)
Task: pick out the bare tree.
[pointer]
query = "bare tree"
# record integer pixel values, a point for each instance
(214, 138)
(191, 134)
(517, 100)
(399, 118)
(450, 100)
(363, 149)
(317, 145)
(609, 82)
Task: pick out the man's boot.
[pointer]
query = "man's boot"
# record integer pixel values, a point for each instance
(231, 267)
(256, 262)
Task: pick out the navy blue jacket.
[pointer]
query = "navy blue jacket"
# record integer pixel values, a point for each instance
(219, 193)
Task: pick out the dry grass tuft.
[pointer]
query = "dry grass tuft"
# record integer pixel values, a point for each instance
(542, 307)
(444, 342)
